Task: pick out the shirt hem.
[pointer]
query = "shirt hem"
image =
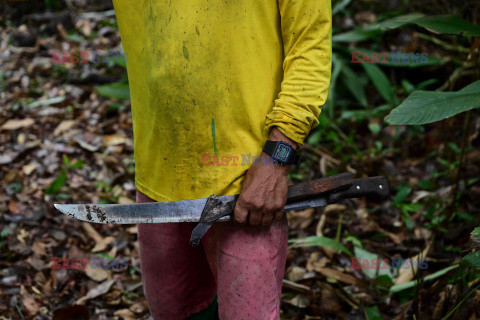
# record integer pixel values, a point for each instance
(149, 192)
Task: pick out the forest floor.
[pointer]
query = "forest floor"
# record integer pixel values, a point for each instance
(61, 141)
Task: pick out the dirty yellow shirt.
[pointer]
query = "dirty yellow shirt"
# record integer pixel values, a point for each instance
(208, 78)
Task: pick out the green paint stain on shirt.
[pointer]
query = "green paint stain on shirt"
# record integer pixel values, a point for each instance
(185, 52)
(213, 136)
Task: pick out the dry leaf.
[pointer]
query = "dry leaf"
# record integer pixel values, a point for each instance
(316, 261)
(96, 291)
(64, 126)
(329, 300)
(29, 303)
(100, 242)
(125, 200)
(338, 275)
(29, 168)
(299, 301)
(97, 274)
(138, 307)
(406, 274)
(115, 139)
(125, 314)
(301, 219)
(296, 273)
(15, 124)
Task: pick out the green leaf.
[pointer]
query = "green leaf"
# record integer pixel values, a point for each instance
(381, 82)
(476, 233)
(396, 22)
(426, 184)
(471, 259)
(423, 107)
(75, 37)
(340, 6)
(46, 102)
(354, 84)
(354, 240)
(5, 232)
(77, 165)
(337, 64)
(438, 24)
(371, 273)
(321, 242)
(402, 193)
(449, 25)
(432, 276)
(57, 183)
(400, 287)
(357, 35)
(118, 90)
(375, 128)
(373, 313)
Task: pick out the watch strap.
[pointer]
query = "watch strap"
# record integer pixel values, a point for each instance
(278, 149)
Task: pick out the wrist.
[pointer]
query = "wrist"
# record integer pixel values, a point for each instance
(277, 135)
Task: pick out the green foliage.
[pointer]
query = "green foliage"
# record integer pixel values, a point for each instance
(53, 4)
(437, 24)
(46, 102)
(118, 90)
(400, 287)
(381, 82)
(472, 259)
(476, 233)
(373, 313)
(322, 242)
(60, 181)
(369, 272)
(57, 183)
(427, 106)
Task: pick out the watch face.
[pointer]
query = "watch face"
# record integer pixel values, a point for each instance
(282, 152)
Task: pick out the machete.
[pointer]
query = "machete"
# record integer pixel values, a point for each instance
(316, 193)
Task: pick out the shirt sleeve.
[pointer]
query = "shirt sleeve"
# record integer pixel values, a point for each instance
(306, 27)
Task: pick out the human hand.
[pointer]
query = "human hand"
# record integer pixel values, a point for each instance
(265, 188)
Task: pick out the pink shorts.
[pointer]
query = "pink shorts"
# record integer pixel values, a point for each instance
(243, 265)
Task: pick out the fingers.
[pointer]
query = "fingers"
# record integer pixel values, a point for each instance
(255, 218)
(260, 208)
(279, 215)
(267, 219)
(240, 214)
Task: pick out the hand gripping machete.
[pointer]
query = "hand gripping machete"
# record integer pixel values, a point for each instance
(316, 193)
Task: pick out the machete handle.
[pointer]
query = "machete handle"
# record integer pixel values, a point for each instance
(374, 188)
(319, 186)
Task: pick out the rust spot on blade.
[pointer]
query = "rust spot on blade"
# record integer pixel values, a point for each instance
(89, 214)
(102, 218)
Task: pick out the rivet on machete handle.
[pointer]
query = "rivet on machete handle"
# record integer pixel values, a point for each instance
(374, 188)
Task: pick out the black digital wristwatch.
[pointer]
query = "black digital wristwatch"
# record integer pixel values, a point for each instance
(281, 152)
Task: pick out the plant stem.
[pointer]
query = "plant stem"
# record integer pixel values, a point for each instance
(466, 132)
(460, 303)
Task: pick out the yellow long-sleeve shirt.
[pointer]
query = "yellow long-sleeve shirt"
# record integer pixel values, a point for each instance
(210, 77)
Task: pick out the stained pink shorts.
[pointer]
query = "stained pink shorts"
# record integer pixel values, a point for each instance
(243, 265)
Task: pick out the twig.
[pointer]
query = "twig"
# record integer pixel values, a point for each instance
(321, 153)
(443, 44)
(339, 228)
(455, 76)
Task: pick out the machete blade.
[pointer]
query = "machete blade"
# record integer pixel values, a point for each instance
(158, 212)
